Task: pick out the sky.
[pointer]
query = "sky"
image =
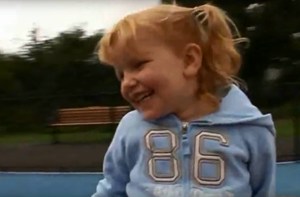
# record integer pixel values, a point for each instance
(19, 17)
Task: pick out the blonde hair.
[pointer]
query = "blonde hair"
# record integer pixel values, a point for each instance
(206, 25)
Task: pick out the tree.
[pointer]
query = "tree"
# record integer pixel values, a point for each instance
(273, 30)
(58, 72)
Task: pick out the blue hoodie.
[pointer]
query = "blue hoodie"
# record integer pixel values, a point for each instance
(228, 153)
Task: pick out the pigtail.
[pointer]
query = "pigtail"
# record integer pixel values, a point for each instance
(218, 37)
(214, 20)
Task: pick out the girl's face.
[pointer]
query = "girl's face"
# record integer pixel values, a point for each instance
(154, 81)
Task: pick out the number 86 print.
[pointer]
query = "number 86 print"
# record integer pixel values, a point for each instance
(200, 158)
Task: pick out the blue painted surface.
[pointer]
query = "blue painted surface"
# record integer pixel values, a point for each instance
(84, 184)
(48, 184)
(288, 179)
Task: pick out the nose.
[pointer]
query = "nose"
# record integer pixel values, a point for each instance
(129, 81)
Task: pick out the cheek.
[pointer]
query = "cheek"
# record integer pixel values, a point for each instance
(153, 80)
(124, 93)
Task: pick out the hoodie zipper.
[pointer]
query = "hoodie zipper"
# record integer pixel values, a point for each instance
(184, 127)
(185, 158)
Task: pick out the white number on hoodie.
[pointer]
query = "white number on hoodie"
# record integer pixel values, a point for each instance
(199, 157)
(166, 154)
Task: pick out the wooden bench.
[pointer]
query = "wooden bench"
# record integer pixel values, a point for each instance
(90, 115)
(96, 115)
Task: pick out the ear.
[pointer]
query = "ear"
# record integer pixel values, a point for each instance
(192, 56)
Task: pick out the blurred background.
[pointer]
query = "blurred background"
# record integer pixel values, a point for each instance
(48, 62)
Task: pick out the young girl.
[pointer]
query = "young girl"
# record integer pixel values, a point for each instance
(193, 133)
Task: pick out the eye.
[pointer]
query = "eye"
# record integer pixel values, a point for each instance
(140, 64)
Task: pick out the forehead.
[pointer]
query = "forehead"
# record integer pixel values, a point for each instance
(131, 38)
(129, 50)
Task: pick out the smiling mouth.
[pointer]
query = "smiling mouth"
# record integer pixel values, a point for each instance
(143, 97)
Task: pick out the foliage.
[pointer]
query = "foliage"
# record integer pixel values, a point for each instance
(274, 32)
(64, 71)
(48, 74)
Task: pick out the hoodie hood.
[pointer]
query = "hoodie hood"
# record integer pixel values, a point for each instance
(236, 108)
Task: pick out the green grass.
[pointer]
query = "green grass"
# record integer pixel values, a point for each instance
(87, 134)
(284, 127)
(98, 134)
(25, 138)
(88, 137)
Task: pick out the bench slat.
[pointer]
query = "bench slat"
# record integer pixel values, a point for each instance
(90, 115)
(82, 123)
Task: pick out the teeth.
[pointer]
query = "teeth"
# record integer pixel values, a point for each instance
(143, 97)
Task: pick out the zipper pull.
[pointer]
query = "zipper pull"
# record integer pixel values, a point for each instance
(184, 127)
(185, 141)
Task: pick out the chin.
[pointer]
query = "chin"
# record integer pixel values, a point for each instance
(147, 115)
